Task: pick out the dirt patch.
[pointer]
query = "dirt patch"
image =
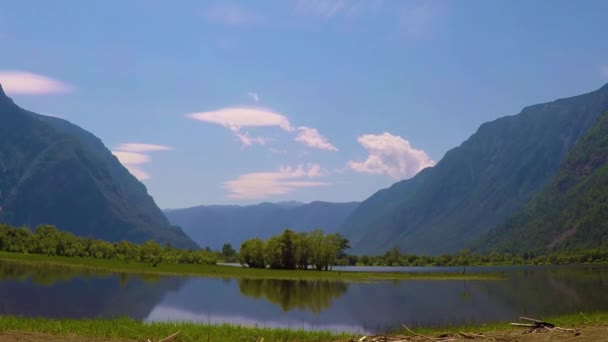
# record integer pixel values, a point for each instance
(583, 334)
(589, 333)
(20, 336)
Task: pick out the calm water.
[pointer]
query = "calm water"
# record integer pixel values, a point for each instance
(357, 307)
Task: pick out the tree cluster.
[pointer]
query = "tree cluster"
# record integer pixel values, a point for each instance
(291, 250)
(394, 257)
(48, 240)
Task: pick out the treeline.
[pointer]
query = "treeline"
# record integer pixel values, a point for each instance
(48, 240)
(290, 250)
(395, 257)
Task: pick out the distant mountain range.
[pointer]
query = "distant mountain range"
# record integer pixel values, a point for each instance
(215, 225)
(572, 210)
(483, 182)
(533, 182)
(54, 172)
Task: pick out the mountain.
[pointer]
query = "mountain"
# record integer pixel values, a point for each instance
(54, 172)
(571, 212)
(215, 225)
(476, 186)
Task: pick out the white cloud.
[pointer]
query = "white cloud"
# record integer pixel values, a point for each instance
(132, 157)
(232, 15)
(254, 96)
(235, 118)
(22, 82)
(266, 184)
(139, 147)
(391, 155)
(312, 138)
(604, 71)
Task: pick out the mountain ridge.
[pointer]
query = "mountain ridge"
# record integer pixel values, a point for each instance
(262, 220)
(477, 185)
(571, 212)
(54, 172)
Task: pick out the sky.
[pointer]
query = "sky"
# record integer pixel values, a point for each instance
(239, 102)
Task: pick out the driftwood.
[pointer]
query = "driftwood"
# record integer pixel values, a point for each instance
(445, 337)
(536, 326)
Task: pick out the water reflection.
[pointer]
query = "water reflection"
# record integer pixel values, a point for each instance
(312, 295)
(48, 291)
(357, 307)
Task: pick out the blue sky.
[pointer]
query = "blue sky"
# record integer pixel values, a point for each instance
(216, 102)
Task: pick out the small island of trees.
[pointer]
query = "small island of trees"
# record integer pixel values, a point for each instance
(291, 250)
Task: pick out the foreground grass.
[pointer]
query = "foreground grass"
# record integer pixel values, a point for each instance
(128, 329)
(220, 271)
(575, 320)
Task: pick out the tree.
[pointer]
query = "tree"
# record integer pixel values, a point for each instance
(301, 250)
(45, 240)
(251, 253)
(287, 239)
(126, 251)
(228, 252)
(273, 252)
(151, 252)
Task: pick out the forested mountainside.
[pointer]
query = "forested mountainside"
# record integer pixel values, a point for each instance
(571, 213)
(54, 172)
(477, 186)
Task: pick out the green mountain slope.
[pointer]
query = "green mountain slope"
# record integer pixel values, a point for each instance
(53, 172)
(571, 212)
(215, 225)
(476, 186)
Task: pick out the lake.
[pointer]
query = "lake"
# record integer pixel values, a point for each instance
(534, 291)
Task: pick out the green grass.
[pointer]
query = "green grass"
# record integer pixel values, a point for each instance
(574, 320)
(129, 329)
(220, 271)
(125, 328)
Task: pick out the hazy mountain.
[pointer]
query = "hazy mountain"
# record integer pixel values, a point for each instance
(215, 225)
(572, 211)
(54, 172)
(476, 186)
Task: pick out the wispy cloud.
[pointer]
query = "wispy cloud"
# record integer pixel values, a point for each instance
(132, 156)
(331, 8)
(17, 82)
(419, 19)
(391, 155)
(139, 147)
(312, 138)
(232, 15)
(247, 140)
(254, 96)
(235, 118)
(604, 71)
(266, 184)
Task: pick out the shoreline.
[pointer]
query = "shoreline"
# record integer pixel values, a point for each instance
(586, 327)
(222, 271)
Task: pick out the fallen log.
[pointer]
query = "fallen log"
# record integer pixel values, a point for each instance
(536, 325)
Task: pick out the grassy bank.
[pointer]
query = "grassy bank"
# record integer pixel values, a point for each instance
(219, 271)
(575, 320)
(128, 329)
